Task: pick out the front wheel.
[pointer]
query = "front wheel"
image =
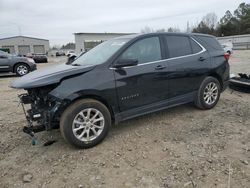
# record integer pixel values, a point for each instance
(21, 69)
(208, 94)
(85, 123)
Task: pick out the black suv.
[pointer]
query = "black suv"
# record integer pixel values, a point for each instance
(123, 78)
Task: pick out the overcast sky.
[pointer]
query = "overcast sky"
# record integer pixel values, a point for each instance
(57, 20)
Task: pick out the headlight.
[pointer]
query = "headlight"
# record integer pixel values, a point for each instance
(30, 60)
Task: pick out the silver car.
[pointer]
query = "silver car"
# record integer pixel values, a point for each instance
(15, 64)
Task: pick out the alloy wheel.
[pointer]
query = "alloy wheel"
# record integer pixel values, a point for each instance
(210, 93)
(22, 70)
(88, 124)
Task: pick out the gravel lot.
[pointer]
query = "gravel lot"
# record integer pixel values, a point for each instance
(178, 147)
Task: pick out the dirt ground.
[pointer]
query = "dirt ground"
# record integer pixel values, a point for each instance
(178, 147)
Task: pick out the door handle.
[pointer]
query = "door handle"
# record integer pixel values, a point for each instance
(159, 67)
(202, 58)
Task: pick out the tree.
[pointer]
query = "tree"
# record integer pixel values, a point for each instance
(188, 30)
(226, 18)
(147, 29)
(174, 30)
(242, 14)
(69, 45)
(237, 23)
(208, 25)
(160, 30)
(210, 20)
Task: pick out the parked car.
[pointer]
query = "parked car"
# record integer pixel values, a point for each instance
(15, 64)
(73, 57)
(38, 58)
(228, 47)
(60, 53)
(70, 53)
(124, 78)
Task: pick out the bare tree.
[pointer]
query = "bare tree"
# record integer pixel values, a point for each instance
(147, 29)
(210, 20)
(160, 30)
(174, 30)
(188, 30)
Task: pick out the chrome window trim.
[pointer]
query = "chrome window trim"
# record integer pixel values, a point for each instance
(4, 67)
(173, 58)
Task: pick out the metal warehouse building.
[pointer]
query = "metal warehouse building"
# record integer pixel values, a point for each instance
(86, 41)
(22, 45)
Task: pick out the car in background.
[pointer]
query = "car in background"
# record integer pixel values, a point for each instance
(15, 64)
(38, 57)
(60, 53)
(228, 47)
(70, 53)
(73, 57)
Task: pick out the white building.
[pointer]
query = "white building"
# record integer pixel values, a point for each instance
(86, 41)
(240, 42)
(23, 45)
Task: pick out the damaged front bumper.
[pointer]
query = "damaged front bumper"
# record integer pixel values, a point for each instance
(41, 116)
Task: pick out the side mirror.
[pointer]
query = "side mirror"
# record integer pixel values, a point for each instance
(125, 63)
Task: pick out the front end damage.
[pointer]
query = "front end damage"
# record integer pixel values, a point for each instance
(41, 110)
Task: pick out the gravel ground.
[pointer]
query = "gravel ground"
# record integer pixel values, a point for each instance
(178, 147)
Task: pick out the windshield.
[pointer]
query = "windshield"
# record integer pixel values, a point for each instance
(3, 53)
(101, 53)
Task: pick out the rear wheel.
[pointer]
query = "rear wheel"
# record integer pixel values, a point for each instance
(208, 93)
(85, 123)
(21, 69)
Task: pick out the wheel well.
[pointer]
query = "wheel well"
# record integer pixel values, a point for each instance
(218, 78)
(95, 97)
(14, 67)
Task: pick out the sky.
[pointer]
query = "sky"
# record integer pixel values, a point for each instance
(58, 20)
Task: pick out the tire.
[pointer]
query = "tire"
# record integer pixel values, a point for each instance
(72, 118)
(204, 93)
(21, 69)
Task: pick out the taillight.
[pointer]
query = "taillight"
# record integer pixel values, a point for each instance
(226, 56)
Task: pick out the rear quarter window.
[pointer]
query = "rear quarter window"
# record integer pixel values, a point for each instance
(210, 43)
(195, 47)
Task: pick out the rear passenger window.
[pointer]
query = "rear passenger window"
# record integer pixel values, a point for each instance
(178, 46)
(145, 50)
(195, 47)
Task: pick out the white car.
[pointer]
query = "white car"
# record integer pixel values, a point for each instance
(70, 53)
(228, 47)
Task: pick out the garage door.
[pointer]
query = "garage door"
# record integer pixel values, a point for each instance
(11, 49)
(39, 49)
(23, 50)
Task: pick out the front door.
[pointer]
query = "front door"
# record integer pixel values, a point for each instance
(140, 85)
(4, 62)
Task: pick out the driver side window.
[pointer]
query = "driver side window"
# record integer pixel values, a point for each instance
(145, 50)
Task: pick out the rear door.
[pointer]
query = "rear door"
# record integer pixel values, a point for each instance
(140, 85)
(187, 64)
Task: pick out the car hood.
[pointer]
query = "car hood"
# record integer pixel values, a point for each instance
(49, 75)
